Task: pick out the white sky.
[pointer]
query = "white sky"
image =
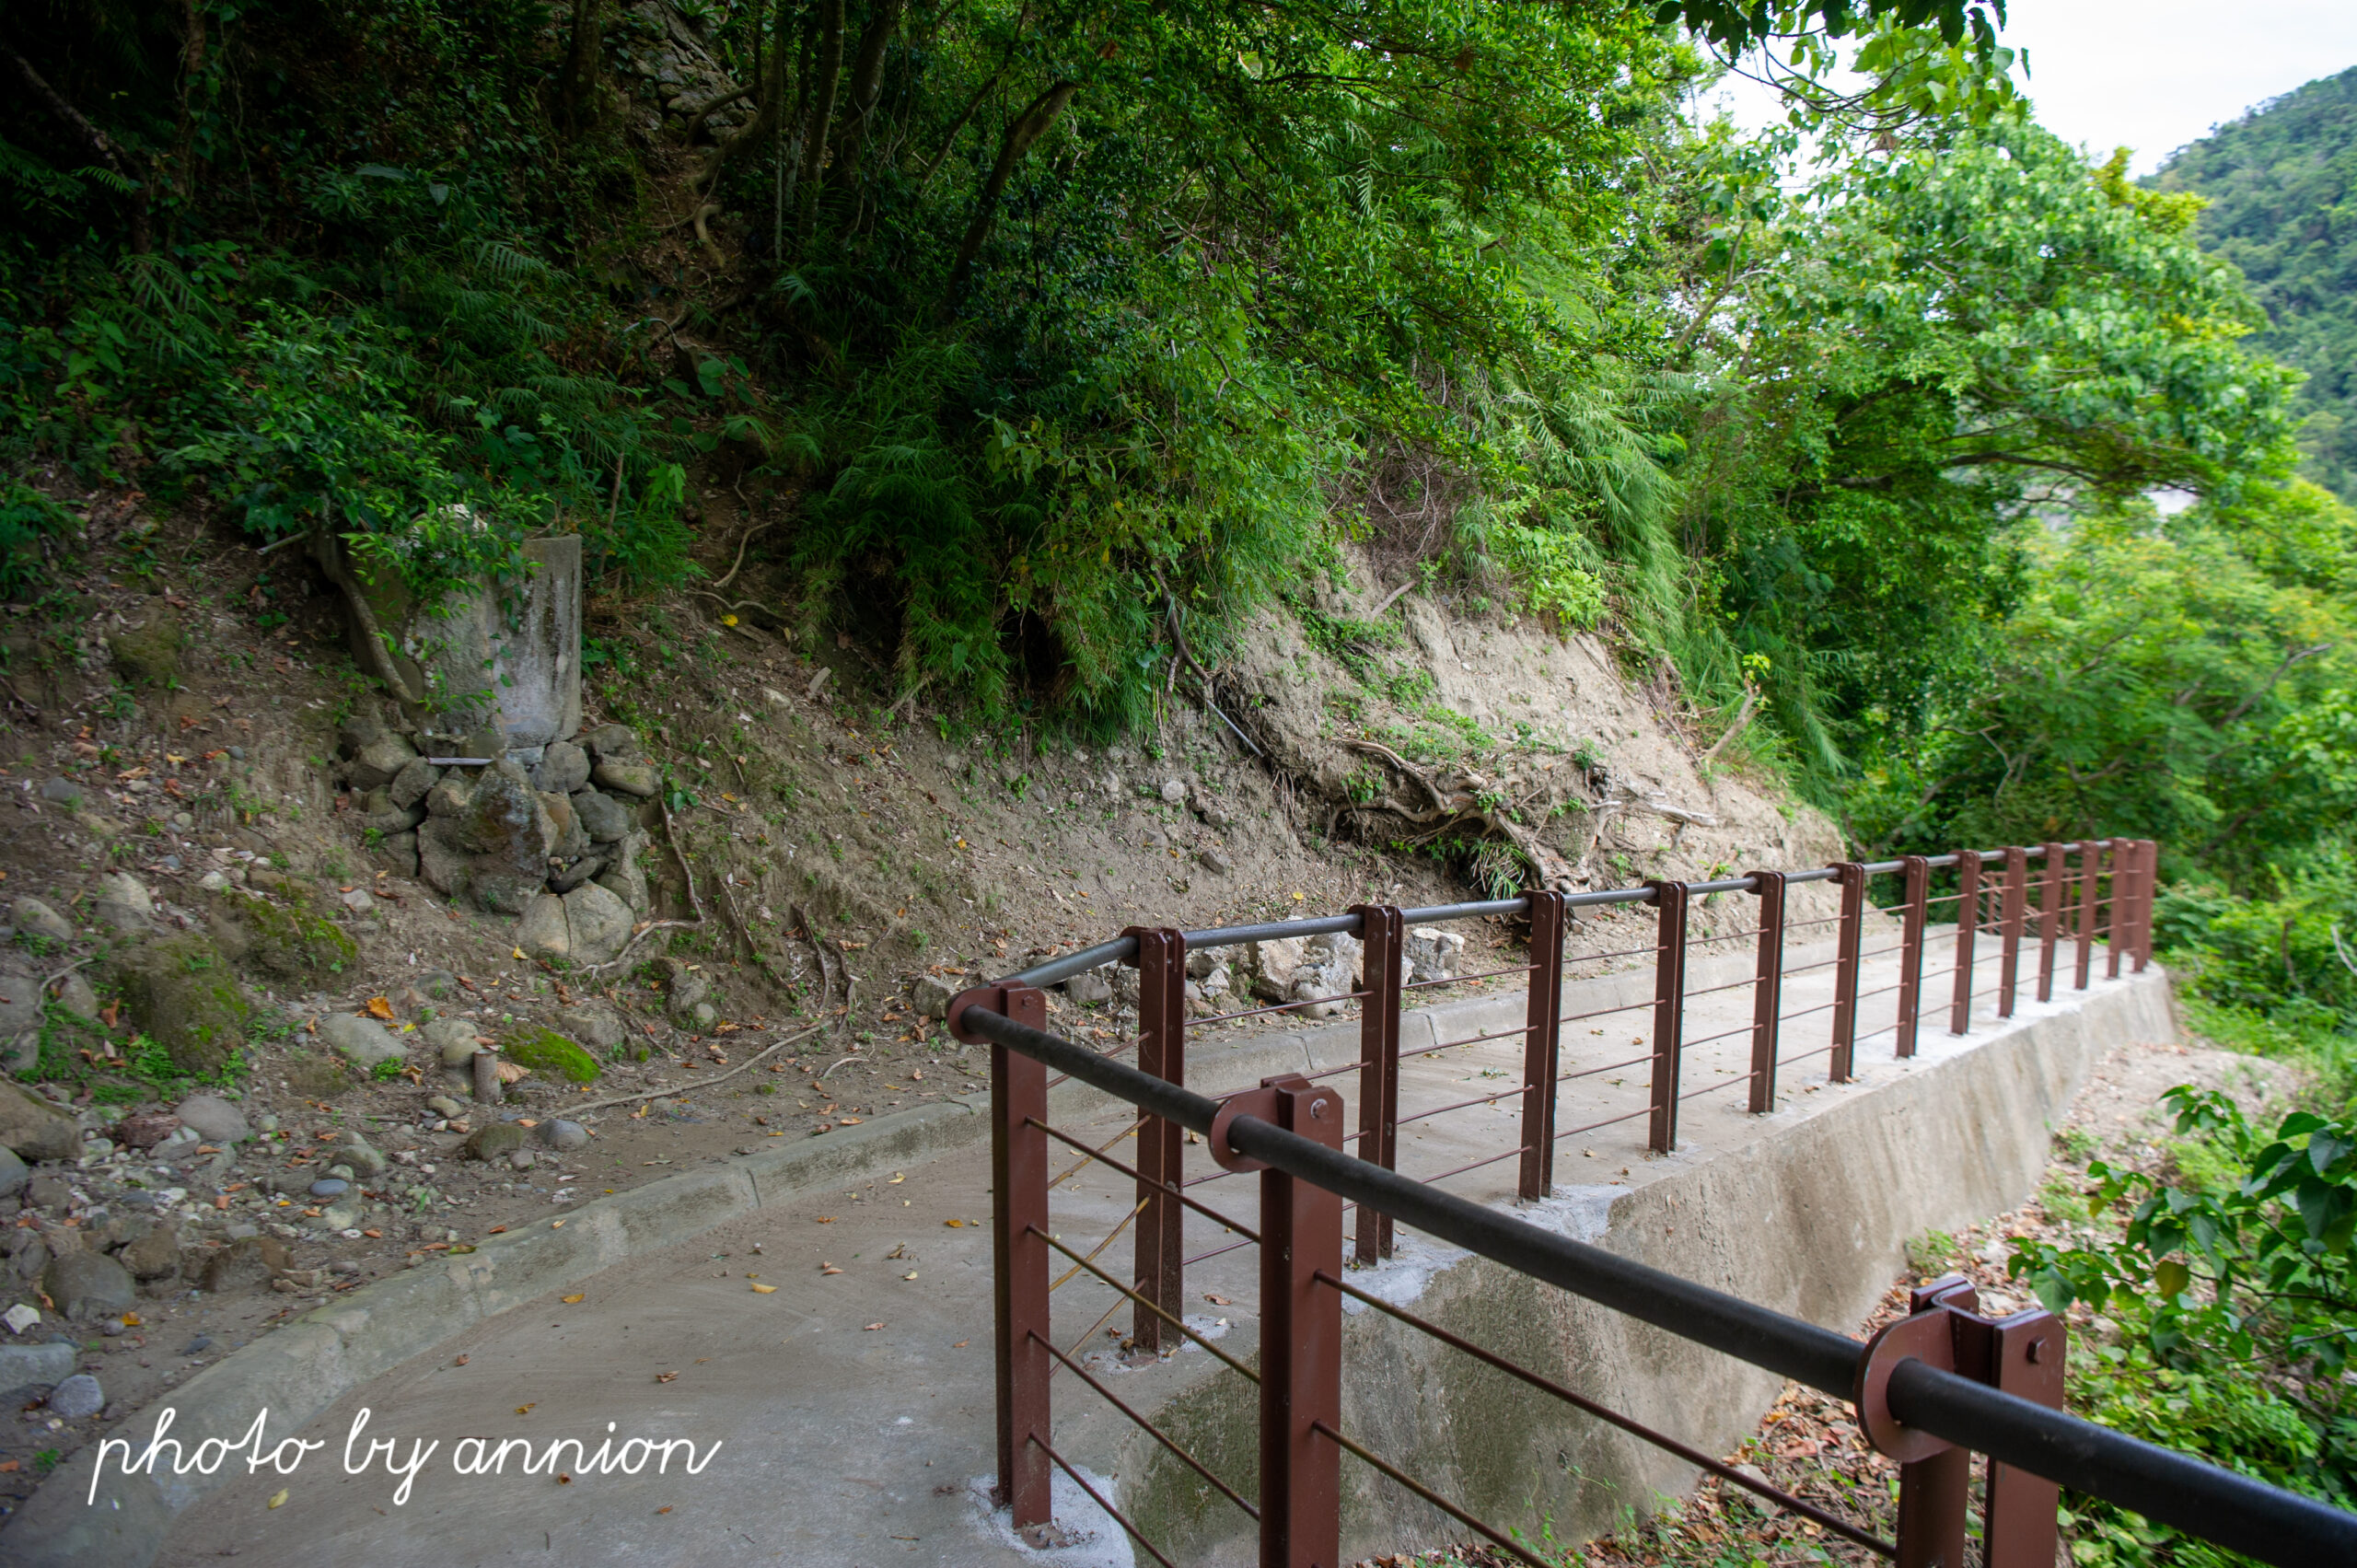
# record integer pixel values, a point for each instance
(2152, 75)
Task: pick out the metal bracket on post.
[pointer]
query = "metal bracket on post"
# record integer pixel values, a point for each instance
(1162, 1050)
(1915, 875)
(2050, 919)
(2121, 905)
(1967, 927)
(1669, 1013)
(1301, 1340)
(1384, 934)
(1767, 991)
(1851, 875)
(2012, 903)
(2021, 1354)
(1018, 1250)
(1540, 1045)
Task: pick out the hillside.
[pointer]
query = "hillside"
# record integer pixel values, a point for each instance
(2282, 188)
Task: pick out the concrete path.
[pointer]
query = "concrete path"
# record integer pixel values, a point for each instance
(852, 1405)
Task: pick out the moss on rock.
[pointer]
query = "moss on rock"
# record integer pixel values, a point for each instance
(179, 991)
(150, 654)
(289, 937)
(545, 1050)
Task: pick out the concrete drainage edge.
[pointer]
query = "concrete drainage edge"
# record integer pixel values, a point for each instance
(301, 1368)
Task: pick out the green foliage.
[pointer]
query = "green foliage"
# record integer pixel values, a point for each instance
(2233, 1283)
(2275, 187)
(28, 516)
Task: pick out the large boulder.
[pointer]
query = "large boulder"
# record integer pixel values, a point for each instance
(381, 761)
(492, 842)
(213, 1119)
(289, 937)
(123, 902)
(549, 1054)
(36, 1129)
(38, 919)
(361, 1041)
(640, 779)
(409, 786)
(602, 817)
(563, 769)
(624, 878)
(149, 654)
(178, 991)
(587, 925)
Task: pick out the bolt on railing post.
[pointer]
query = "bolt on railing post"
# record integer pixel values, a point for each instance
(1851, 875)
(1967, 925)
(1301, 1345)
(2050, 919)
(2012, 903)
(1915, 878)
(1019, 1251)
(2090, 871)
(1767, 991)
(1542, 1045)
(1669, 1012)
(1384, 937)
(1162, 1050)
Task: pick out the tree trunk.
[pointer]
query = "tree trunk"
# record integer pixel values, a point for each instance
(866, 86)
(100, 143)
(766, 107)
(822, 113)
(577, 88)
(1021, 131)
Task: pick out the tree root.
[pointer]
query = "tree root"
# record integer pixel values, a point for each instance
(702, 1082)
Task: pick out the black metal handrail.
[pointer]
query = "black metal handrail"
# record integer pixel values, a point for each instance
(2200, 1499)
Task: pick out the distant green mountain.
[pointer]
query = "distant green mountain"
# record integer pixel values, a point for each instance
(2282, 188)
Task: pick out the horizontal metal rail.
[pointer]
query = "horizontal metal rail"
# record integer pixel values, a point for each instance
(2173, 1489)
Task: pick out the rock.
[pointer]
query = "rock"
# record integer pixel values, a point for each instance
(290, 937)
(364, 1160)
(329, 1187)
(60, 792)
(683, 987)
(628, 778)
(35, 1129)
(396, 852)
(454, 1040)
(1215, 814)
(587, 925)
(624, 878)
(145, 1129)
(521, 1159)
(559, 1134)
(1329, 970)
(408, 787)
(932, 995)
(75, 996)
(360, 731)
(490, 1143)
(29, 1372)
(154, 1255)
(545, 933)
(563, 768)
(548, 1053)
(1432, 953)
(602, 817)
(99, 827)
(1173, 791)
(443, 1105)
(440, 984)
(49, 1192)
(89, 1285)
(572, 839)
(495, 847)
(215, 1119)
(77, 1396)
(1214, 861)
(1089, 989)
(391, 819)
(612, 742)
(381, 761)
(1269, 966)
(702, 1015)
(14, 1173)
(448, 797)
(248, 1262)
(149, 654)
(123, 902)
(33, 916)
(362, 1041)
(595, 1027)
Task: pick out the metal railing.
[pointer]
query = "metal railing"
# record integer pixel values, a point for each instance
(1929, 1390)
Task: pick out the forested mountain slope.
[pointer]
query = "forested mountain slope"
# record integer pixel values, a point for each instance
(2282, 185)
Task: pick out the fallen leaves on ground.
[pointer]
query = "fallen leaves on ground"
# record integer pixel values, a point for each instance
(665, 1377)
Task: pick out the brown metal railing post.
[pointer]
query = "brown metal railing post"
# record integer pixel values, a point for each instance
(1767, 991)
(1669, 1012)
(1301, 1345)
(1967, 925)
(1915, 878)
(2119, 904)
(2090, 871)
(1384, 935)
(2018, 1525)
(1934, 1492)
(1162, 1050)
(1018, 1253)
(2011, 904)
(1542, 1045)
(2148, 882)
(1853, 878)
(2050, 919)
